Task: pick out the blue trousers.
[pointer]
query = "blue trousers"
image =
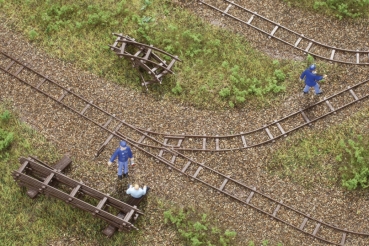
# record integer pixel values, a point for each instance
(122, 167)
(316, 88)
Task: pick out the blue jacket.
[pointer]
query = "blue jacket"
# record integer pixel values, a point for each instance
(310, 77)
(122, 155)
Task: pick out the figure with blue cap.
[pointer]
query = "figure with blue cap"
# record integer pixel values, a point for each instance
(124, 154)
(311, 79)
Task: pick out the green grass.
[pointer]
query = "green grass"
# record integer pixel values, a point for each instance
(39, 221)
(338, 8)
(309, 157)
(219, 69)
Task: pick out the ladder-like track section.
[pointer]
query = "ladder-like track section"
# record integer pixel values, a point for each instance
(246, 195)
(43, 179)
(287, 36)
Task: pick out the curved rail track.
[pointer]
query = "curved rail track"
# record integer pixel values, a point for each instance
(177, 161)
(287, 36)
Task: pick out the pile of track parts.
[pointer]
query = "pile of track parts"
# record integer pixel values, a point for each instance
(145, 58)
(39, 177)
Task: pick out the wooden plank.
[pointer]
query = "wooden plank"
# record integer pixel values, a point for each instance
(73, 193)
(332, 55)
(9, 65)
(123, 47)
(281, 129)
(251, 195)
(186, 166)
(243, 140)
(343, 239)
(102, 147)
(116, 42)
(316, 229)
(250, 20)
(308, 47)
(269, 133)
(353, 94)
(224, 183)
(48, 179)
(357, 57)
(63, 163)
(157, 67)
(217, 143)
(63, 95)
(19, 70)
(165, 143)
(274, 30)
(102, 202)
(86, 107)
(305, 117)
(144, 136)
(108, 121)
(148, 53)
(276, 209)
(303, 223)
(298, 41)
(226, 10)
(180, 141)
(330, 106)
(128, 216)
(41, 82)
(196, 173)
(204, 143)
(23, 166)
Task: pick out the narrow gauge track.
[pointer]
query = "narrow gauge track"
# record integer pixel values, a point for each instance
(287, 36)
(246, 195)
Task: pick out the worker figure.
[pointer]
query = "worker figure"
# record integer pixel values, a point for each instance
(124, 154)
(311, 78)
(135, 191)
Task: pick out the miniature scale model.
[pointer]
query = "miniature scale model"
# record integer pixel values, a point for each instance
(135, 191)
(124, 154)
(311, 78)
(145, 58)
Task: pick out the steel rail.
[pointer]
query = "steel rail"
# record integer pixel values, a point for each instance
(300, 36)
(227, 179)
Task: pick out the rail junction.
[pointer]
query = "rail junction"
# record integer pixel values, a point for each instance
(157, 147)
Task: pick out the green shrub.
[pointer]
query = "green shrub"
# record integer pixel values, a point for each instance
(5, 116)
(355, 160)
(197, 231)
(32, 34)
(6, 138)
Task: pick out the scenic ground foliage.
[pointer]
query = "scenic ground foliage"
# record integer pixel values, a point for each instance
(339, 8)
(219, 70)
(336, 156)
(40, 221)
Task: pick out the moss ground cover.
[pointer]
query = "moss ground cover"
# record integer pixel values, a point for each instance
(219, 69)
(314, 158)
(339, 8)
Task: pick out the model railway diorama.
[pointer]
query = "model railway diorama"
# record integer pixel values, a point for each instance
(173, 150)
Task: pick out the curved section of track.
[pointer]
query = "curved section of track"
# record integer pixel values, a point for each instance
(285, 35)
(175, 160)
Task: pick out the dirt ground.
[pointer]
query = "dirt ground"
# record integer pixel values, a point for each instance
(80, 138)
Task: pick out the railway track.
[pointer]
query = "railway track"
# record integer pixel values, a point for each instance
(174, 159)
(285, 35)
